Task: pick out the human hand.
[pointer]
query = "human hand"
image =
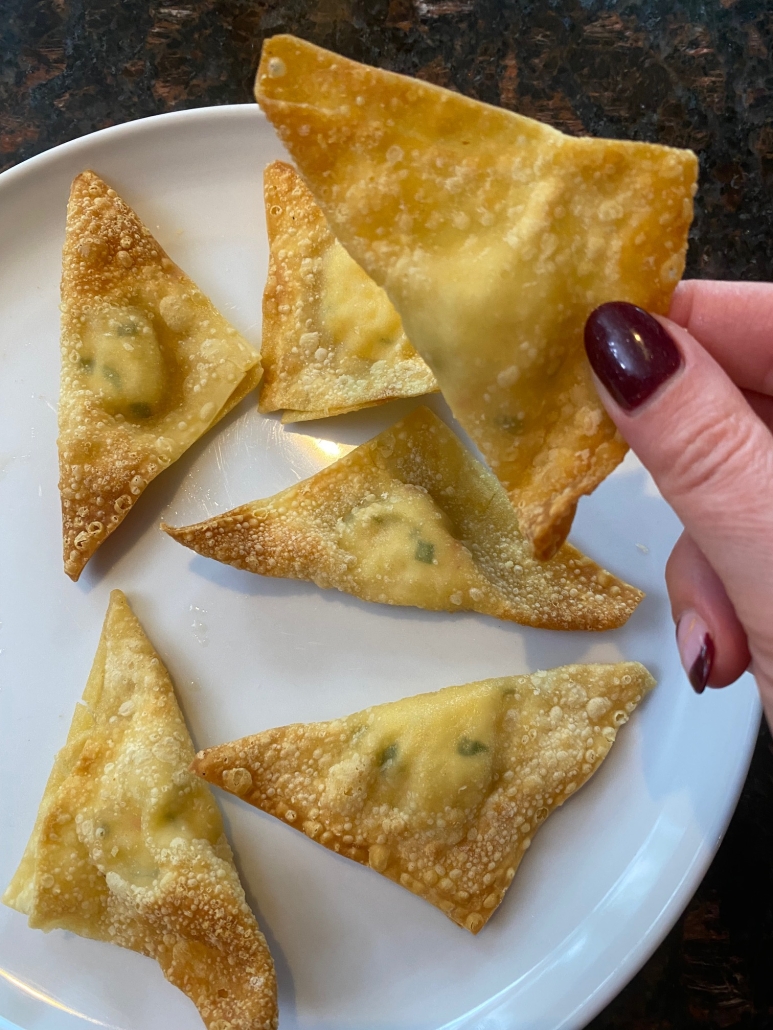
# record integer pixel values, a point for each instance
(693, 396)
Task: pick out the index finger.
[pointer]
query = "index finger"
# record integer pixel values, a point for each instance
(734, 322)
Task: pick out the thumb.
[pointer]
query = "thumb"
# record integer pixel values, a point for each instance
(709, 453)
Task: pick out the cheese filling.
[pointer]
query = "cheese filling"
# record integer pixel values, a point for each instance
(126, 828)
(122, 361)
(356, 313)
(432, 758)
(404, 541)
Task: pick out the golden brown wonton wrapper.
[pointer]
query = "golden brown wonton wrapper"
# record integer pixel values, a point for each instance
(494, 236)
(411, 518)
(148, 366)
(332, 342)
(442, 792)
(128, 846)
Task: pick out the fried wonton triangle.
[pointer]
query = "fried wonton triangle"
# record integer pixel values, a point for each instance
(332, 342)
(411, 518)
(441, 792)
(494, 236)
(129, 848)
(148, 366)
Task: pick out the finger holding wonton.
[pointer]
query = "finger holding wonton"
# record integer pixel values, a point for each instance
(494, 236)
(332, 342)
(442, 792)
(411, 518)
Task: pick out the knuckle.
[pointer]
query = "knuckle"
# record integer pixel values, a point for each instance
(715, 456)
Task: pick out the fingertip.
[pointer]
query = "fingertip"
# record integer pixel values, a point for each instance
(630, 351)
(697, 649)
(712, 642)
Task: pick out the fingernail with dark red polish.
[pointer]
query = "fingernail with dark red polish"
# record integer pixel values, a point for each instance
(696, 649)
(630, 352)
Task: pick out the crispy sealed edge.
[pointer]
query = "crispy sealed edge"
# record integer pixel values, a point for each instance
(284, 772)
(96, 496)
(266, 537)
(312, 103)
(235, 932)
(291, 211)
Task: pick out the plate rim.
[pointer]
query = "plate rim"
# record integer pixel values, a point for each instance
(692, 875)
(680, 898)
(53, 153)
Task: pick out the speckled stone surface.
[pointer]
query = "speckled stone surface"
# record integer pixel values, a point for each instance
(696, 74)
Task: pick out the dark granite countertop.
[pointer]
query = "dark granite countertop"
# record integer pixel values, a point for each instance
(695, 73)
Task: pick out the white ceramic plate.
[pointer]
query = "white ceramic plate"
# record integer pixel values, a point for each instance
(607, 875)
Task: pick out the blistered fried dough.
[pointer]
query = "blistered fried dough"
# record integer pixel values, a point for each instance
(148, 366)
(442, 792)
(332, 342)
(494, 237)
(412, 518)
(128, 846)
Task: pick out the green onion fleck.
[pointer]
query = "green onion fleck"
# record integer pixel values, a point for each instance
(425, 552)
(388, 755)
(468, 747)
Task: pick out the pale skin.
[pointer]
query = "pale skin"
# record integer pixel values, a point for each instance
(706, 436)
